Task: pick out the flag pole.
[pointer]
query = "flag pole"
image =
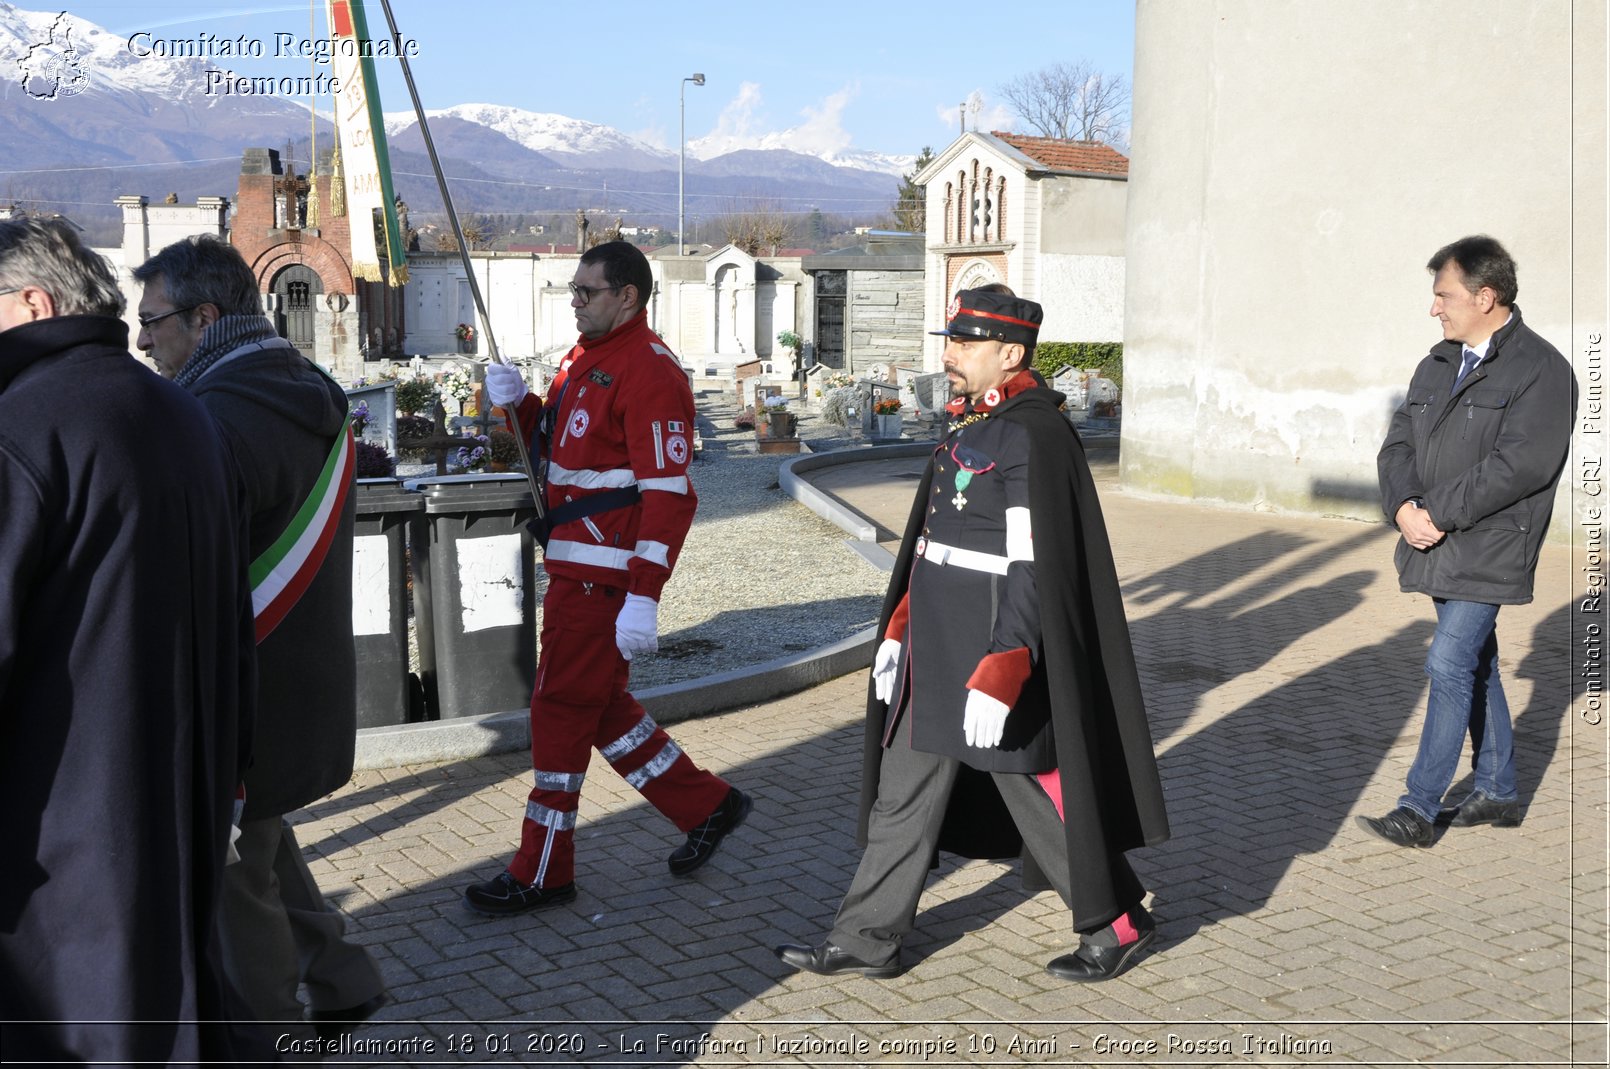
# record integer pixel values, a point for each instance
(464, 254)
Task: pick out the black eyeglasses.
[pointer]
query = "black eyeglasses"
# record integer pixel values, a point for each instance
(13, 289)
(145, 324)
(586, 292)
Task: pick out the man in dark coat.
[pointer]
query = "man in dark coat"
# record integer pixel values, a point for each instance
(1467, 473)
(283, 423)
(1005, 714)
(125, 679)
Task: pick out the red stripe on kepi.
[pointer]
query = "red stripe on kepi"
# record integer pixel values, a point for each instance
(1003, 319)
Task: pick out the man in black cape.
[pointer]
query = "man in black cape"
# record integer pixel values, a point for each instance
(1004, 715)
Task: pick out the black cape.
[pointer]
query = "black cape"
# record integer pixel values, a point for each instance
(1112, 796)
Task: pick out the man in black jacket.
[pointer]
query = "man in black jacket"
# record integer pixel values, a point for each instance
(125, 680)
(1005, 714)
(283, 423)
(1467, 474)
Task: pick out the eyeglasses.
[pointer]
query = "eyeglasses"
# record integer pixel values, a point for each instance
(13, 289)
(585, 293)
(145, 324)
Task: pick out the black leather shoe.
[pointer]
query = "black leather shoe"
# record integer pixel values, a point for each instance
(331, 1025)
(703, 840)
(1481, 808)
(503, 895)
(1401, 827)
(829, 960)
(1092, 963)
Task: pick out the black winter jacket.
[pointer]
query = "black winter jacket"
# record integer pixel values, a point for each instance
(1484, 459)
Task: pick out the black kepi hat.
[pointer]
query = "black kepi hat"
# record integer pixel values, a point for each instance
(986, 314)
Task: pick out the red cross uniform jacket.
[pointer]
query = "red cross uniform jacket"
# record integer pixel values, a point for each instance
(618, 415)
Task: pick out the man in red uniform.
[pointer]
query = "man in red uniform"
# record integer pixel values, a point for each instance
(613, 441)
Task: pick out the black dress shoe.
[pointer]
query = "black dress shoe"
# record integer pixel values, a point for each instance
(504, 895)
(703, 840)
(1093, 962)
(1401, 827)
(1481, 808)
(331, 1025)
(829, 960)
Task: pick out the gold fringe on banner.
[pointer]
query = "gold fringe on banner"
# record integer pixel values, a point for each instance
(366, 272)
(338, 185)
(399, 274)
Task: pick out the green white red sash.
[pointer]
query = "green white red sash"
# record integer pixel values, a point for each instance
(281, 575)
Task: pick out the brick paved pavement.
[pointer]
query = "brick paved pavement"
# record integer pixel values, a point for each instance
(1282, 667)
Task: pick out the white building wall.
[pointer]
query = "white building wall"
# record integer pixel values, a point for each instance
(1293, 168)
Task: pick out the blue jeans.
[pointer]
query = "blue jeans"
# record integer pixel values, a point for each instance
(1466, 695)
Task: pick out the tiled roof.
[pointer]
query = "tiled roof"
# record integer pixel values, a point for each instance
(1053, 153)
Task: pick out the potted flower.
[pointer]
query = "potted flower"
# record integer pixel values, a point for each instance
(475, 458)
(886, 417)
(778, 417)
(465, 333)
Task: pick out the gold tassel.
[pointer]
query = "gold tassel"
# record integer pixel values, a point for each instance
(338, 185)
(399, 274)
(313, 203)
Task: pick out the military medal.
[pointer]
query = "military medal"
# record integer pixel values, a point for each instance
(963, 477)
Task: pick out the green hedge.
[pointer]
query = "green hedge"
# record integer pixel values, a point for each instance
(1107, 355)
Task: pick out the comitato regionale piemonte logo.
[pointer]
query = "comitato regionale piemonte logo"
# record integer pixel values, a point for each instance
(52, 68)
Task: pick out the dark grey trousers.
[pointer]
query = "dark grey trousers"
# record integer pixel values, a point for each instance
(913, 789)
(277, 932)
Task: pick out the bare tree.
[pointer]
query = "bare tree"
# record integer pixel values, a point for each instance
(1072, 101)
(760, 229)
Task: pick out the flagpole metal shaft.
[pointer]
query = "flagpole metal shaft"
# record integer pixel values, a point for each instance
(464, 255)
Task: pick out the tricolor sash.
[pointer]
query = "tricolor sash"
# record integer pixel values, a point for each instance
(281, 575)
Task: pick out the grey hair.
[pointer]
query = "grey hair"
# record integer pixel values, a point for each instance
(48, 253)
(204, 269)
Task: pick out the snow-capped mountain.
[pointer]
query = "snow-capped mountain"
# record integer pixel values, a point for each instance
(86, 119)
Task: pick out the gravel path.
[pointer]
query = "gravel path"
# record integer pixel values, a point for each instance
(760, 576)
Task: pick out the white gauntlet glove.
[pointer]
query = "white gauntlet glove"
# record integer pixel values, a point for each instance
(884, 666)
(984, 721)
(504, 386)
(637, 628)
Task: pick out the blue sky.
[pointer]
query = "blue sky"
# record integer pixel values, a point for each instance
(851, 75)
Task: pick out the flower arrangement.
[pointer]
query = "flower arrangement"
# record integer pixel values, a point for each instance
(360, 417)
(838, 380)
(745, 420)
(886, 406)
(457, 383)
(775, 403)
(476, 457)
(838, 404)
(464, 332)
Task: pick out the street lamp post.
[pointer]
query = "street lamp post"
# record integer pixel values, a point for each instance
(682, 152)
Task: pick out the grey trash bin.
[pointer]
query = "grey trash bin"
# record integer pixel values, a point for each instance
(475, 589)
(388, 693)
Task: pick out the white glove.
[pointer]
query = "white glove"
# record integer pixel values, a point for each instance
(884, 666)
(504, 386)
(984, 722)
(637, 628)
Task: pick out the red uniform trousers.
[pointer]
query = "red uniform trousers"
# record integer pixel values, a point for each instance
(580, 703)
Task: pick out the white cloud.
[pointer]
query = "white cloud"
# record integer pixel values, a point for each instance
(742, 125)
(981, 114)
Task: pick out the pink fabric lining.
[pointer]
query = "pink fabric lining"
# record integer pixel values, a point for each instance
(1051, 784)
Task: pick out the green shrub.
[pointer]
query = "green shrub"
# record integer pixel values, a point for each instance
(415, 395)
(1049, 356)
